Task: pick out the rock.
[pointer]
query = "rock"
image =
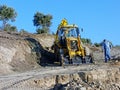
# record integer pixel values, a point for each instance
(82, 88)
(62, 79)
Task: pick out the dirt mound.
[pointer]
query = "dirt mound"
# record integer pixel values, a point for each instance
(22, 52)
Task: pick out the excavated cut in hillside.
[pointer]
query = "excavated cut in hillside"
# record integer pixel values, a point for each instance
(21, 52)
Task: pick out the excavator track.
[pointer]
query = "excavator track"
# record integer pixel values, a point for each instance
(77, 61)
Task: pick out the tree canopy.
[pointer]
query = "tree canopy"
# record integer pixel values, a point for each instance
(86, 41)
(6, 14)
(42, 22)
(10, 28)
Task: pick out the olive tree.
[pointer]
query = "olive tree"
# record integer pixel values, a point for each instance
(7, 14)
(42, 22)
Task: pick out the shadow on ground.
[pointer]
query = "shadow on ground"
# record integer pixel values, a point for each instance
(43, 56)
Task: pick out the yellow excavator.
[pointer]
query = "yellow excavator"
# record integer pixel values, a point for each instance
(68, 48)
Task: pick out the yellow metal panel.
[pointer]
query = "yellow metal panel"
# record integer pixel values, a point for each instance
(79, 53)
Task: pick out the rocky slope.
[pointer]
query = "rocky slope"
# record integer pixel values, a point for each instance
(83, 77)
(26, 64)
(22, 52)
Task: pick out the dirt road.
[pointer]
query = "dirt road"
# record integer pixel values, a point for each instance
(29, 80)
(19, 81)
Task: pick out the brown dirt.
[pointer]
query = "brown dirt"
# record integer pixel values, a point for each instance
(26, 63)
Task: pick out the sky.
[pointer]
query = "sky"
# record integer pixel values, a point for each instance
(100, 19)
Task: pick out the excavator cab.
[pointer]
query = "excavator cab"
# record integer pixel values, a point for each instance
(68, 47)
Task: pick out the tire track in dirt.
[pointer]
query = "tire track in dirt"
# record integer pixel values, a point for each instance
(19, 81)
(9, 81)
(4, 85)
